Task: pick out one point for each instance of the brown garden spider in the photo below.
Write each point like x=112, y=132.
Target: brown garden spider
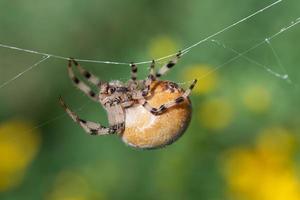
x=117, y=97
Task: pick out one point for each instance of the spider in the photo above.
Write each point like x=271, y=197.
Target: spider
x=147, y=114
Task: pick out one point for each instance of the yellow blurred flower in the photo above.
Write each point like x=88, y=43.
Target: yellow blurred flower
x=261, y=173
x=215, y=114
x=257, y=99
x=162, y=46
x=207, y=80
x=276, y=145
x=18, y=147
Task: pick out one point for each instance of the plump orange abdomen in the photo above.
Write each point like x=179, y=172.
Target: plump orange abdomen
x=147, y=131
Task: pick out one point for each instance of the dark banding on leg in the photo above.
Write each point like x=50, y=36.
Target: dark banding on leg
x=133, y=72
x=164, y=69
x=164, y=107
x=79, y=84
x=86, y=74
x=91, y=128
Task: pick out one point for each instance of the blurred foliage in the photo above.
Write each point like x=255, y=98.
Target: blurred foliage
x=242, y=143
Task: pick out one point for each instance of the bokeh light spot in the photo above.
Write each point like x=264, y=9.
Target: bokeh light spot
x=19, y=144
x=162, y=46
x=257, y=99
x=215, y=114
x=276, y=144
x=207, y=80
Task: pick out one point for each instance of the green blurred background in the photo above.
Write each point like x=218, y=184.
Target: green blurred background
x=242, y=143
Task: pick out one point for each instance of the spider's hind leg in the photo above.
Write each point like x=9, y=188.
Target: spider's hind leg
x=164, y=107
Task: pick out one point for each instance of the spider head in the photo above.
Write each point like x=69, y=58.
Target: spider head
x=104, y=88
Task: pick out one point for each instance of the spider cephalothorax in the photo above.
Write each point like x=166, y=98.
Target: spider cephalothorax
x=145, y=113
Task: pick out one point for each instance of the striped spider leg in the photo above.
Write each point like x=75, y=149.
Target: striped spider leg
x=153, y=76
x=91, y=128
x=164, y=107
x=163, y=70
x=78, y=83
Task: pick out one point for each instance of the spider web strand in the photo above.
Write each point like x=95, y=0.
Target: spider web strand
x=242, y=54
x=23, y=72
x=269, y=70
x=184, y=51
x=232, y=25
x=278, y=60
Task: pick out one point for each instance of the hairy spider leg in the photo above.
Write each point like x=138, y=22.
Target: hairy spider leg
x=91, y=128
x=165, y=107
x=86, y=74
x=151, y=77
x=81, y=85
x=116, y=117
x=165, y=68
x=189, y=90
x=133, y=72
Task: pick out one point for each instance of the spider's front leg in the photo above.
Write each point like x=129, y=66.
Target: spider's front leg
x=80, y=84
x=86, y=74
x=164, y=107
x=91, y=128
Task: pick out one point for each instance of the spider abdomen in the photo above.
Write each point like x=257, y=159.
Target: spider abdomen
x=146, y=130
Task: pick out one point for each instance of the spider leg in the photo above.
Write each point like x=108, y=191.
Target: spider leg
x=164, y=107
x=127, y=104
x=151, y=77
x=86, y=74
x=133, y=72
x=189, y=90
x=152, y=72
x=79, y=84
x=91, y=128
x=116, y=117
x=164, y=69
